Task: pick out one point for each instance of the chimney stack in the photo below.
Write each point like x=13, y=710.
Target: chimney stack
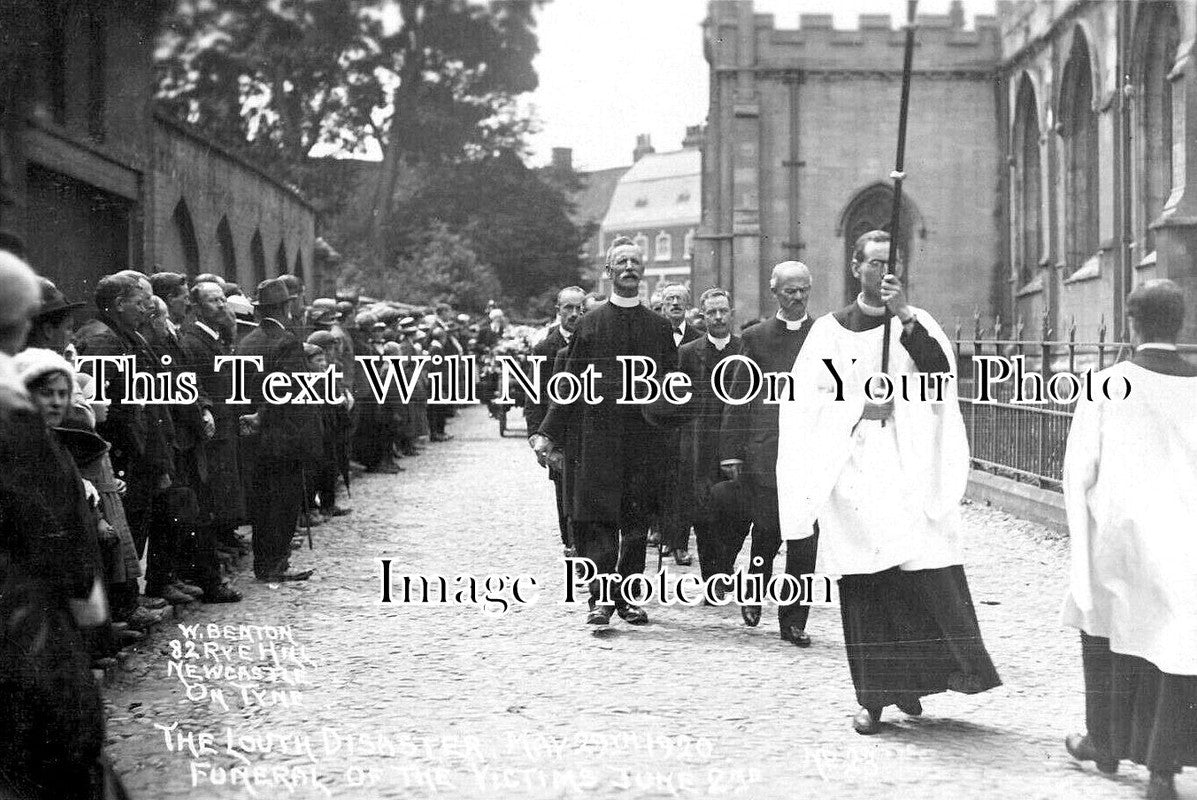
x=956, y=15
x=644, y=146
x=563, y=159
x=695, y=134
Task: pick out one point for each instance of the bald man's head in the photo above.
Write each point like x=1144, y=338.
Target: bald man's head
x=1157, y=310
x=20, y=297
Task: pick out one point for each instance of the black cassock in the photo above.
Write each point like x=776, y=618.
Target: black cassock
x=614, y=458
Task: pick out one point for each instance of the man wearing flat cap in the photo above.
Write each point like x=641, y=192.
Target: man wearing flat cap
x=613, y=455
x=288, y=438
x=1129, y=475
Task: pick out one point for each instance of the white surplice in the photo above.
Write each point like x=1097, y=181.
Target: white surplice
x=884, y=496
x=1130, y=490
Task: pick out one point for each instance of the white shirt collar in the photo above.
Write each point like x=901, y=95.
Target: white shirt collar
x=203, y=327
x=868, y=310
x=564, y=333
x=1156, y=346
x=624, y=302
x=719, y=343
x=793, y=325
x=172, y=327
x=275, y=321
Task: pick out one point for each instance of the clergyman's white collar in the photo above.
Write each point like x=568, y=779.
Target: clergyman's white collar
x=793, y=324
x=868, y=310
x=624, y=302
x=719, y=343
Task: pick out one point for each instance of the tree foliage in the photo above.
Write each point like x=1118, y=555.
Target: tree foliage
x=440, y=268
x=515, y=220
x=427, y=80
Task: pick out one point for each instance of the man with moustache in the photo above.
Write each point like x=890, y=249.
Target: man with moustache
x=221, y=498
x=748, y=451
x=615, y=455
x=570, y=304
x=885, y=479
x=141, y=435
x=699, y=456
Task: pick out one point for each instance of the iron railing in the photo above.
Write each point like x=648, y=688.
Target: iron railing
x=1015, y=435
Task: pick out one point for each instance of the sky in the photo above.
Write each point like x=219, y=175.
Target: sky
x=610, y=69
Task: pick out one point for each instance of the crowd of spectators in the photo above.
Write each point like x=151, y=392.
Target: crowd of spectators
x=118, y=503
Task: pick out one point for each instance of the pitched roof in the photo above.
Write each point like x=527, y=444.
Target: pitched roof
x=592, y=200
x=660, y=189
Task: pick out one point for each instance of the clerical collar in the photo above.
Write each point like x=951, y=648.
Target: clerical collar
x=203, y=327
x=793, y=325
x=868, y=310
x=719, y=343
x=624, y=302
x=1156, y=346
x=564, y=333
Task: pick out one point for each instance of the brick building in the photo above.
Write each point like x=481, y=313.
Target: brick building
x=657, y=203
x=92, y=182
x=801, y=137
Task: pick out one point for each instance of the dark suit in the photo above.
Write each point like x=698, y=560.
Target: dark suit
x=699, y=457
x=549, y=347
x=674, y=522
x=614, y=456
x=288, y=442
x=749, y=434
x=142, y=441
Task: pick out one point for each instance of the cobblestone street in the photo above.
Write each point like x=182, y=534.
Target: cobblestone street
x=317, y=689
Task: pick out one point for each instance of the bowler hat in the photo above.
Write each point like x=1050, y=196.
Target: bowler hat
x=272, y=292
x=53, y=300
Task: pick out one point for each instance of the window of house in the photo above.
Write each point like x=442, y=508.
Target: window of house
x=688, y=245
x=1027, y=191
x=664, y=251
x=1079, y=130
x=642, y=242
x=1160, y=35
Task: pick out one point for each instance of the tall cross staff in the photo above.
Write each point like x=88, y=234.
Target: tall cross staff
x=898, y=175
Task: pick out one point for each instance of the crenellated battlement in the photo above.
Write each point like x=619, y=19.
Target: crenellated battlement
x=943, y=44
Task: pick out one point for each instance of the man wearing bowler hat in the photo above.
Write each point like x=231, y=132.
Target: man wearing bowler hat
x=285, y=440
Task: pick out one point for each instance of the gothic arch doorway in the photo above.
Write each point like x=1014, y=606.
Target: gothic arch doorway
x=871, y=210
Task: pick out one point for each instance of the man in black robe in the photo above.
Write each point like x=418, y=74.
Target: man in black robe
x=570, y=305
x=748, y=452
x=615, y=455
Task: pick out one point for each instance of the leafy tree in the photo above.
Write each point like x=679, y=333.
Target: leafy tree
x=442, y=268
x=278, y=77
x=515, y=220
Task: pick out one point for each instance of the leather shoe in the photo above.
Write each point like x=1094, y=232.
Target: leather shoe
x=223, y=594
x=174, y=596
x=912, y=707
x=1161, y=786
x=866, y=722
x=284, y=577
x=124, y=638
x=1080, y=748
x=336, y=511
x=681, y=557
x=152, y=603
x=633, y=615
x=751, y=615
x=795, y=636
x=599, y=615
x=189, y=588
